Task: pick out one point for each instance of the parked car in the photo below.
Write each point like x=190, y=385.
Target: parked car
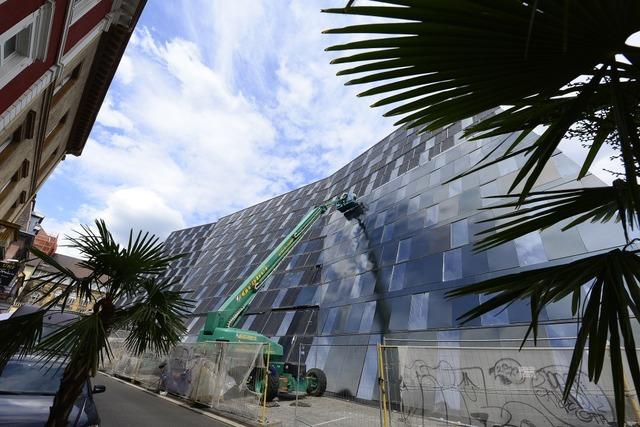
x=27, y=390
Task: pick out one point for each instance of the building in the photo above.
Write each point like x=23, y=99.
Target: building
x=26, y=233
x=35, y=269
x=345, y=286
x=57, y=59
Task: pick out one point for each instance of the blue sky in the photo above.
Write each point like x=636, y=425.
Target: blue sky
x=216, y=105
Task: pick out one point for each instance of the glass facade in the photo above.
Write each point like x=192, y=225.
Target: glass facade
x=346, y=284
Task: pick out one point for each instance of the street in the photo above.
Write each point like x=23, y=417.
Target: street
x=123, y=405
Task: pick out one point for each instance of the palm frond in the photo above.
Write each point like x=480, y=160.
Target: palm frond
x=123, y=266
x=488, y=62
x=83, y=339
x=63, y=279
x=546, y=208
x=613, y=279
x=19, y=335
x=446, y=61
x=155, y=321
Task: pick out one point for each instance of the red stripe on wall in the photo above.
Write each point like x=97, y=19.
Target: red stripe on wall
x=86, y=23
x=12, y=12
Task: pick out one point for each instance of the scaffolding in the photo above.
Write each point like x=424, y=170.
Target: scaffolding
x=47, y=243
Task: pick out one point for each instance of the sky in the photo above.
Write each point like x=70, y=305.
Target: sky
x=216, y=106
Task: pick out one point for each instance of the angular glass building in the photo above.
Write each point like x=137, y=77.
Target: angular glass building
x=349, y=283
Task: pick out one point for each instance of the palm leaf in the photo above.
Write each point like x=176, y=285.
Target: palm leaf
x=613, y=277
x=446, y=61
x=155, y=322
x=19, y=335
x=83, y=340
x=63, y=279
x=122, y=266
x=546, y=208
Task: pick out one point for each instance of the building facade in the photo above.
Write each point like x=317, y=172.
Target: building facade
x=348, y=285
x=36, y=272
x=57, y=58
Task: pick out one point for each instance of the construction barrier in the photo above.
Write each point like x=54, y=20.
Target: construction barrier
x=451, y=383
x=347, y=400
x=487, y=386
x=218, y=375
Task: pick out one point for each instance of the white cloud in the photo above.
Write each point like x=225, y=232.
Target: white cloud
x=125, y=73
x=138, y=208
x=109, y=117
x=241, y=107
x=247, y=108
x=124, y=210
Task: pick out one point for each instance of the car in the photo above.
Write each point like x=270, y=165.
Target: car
x=27, y=389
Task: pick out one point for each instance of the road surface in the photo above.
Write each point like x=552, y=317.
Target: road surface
x=122, y=405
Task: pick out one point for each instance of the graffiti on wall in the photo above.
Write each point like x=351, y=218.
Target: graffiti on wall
x=497, y=390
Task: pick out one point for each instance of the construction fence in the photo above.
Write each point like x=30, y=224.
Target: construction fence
x=493, y=386
x=217, y=375
x=398, y=385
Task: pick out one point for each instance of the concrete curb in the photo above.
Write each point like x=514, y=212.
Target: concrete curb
x=177, y=402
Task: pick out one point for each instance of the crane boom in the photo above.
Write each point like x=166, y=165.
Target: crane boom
x=219, y=325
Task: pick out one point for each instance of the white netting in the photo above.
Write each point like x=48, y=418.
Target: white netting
x=219, y=375
x=493, y=386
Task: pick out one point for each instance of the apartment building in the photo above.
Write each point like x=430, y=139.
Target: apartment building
x=57, y=59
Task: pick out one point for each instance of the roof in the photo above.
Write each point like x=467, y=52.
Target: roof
x=111, y=47
x=66, y=261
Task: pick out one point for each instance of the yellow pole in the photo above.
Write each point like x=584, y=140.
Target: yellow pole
x=631, y=397
x=265, y=388
x=383, y=390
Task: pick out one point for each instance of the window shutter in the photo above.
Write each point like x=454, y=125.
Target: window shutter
x=29, y=124
x=25, y=168
x=43, y=30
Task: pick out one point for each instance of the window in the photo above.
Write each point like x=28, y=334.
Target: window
x=418, y=312
x=81, y=7
x=24, y=169
x=404, y=250
x=4, y=144
x=67, y=82
x=452, y=265
x=24, y=43
x=459, y=233
x=529, y=249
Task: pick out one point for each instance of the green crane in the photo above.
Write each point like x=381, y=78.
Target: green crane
x=220, y=324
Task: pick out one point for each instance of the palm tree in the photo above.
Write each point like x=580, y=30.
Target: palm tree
x=562, y=66
x=153, y=315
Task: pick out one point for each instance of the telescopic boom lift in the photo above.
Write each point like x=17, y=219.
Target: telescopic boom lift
x=221, y=324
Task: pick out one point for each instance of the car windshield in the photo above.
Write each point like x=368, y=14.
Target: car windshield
x=30, y=377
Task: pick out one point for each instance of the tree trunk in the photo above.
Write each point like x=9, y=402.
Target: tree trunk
x=77, y=372
x=74, y=378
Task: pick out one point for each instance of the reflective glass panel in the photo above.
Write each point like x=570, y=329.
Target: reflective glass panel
x=439, y=313
x=368, y=380
x=414, y=205
x=286, y=322
x=367, y=317
x=452, y=265
x=330, y=322
x=459, y=233
x=404, y=250
x=431, y=215
x=399, y=308
x=397, y=277
x=498, y=316
x=530, y=250
x=419, y=311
